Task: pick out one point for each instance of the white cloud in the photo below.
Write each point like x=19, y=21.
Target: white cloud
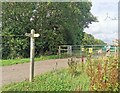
x=106, y=29
x=105, y=1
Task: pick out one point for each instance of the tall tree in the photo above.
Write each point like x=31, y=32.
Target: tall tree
x=90, y=40
x=57, y=23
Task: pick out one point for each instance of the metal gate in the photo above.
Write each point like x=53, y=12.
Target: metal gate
x=80, y=50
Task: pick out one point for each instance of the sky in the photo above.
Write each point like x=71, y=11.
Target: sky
x=106, y=12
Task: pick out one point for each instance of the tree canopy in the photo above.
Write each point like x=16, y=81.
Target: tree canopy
x=56, y=22
x=90, y=40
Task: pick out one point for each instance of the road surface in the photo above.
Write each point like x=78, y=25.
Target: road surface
x=20, y=72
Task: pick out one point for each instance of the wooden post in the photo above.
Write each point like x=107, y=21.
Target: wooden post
x=59, y=51
x=32, y=50
x=70, y=50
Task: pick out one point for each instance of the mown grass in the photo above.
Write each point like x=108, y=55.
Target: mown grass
x=52, y=81
x=25, y=60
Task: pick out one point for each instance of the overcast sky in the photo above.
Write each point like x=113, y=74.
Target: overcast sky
x=106, y=12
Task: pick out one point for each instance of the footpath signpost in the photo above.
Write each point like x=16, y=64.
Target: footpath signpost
x=32, y=36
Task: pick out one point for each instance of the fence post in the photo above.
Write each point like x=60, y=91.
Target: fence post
x=59, y=51
x=70, y=50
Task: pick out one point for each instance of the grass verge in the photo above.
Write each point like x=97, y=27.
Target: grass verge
x=52, y=81
x=25, y=60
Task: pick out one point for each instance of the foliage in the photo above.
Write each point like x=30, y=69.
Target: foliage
x=90, y=40
x=57, y=23
x=72, y=63
x=103, y=73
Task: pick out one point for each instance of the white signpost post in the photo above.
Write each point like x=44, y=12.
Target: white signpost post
x=32, y=36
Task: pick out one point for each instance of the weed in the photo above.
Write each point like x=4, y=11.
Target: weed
x=104, y=75
x=72, y=63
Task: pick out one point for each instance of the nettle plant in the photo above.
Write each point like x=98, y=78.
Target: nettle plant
x=76, y=66
x=72, y=63
x=103, y=73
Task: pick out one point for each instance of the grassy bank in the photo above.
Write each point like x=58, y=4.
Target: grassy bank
x=52, y=81
x=25, y=60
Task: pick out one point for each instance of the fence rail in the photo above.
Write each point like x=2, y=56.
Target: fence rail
x=80, y=50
